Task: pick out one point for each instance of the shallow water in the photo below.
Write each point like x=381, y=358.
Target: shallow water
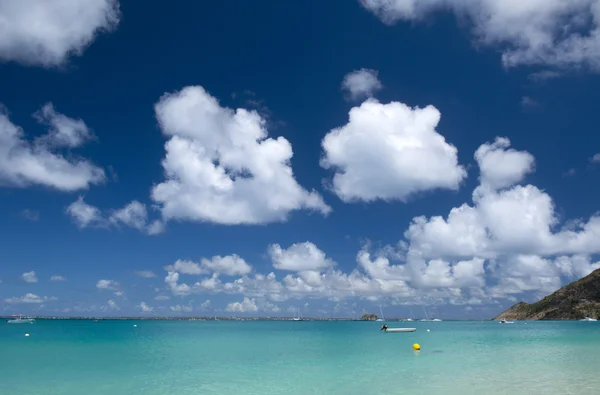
x=298, y=358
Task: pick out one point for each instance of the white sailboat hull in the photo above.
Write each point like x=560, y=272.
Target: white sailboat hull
x=400, y=330
x=21, y=321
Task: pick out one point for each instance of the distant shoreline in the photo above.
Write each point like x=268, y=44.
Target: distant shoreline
x=201, y=318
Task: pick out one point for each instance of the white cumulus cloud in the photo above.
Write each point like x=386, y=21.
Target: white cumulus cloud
x=516, y=230
x=555, y=33
x=145, y=308
x=85, y=215
x=58, y=278
x=508, y=243
x=47, y=32
x=299, y=257
x=133, y=215
x=24, y=163
x=29, y=277
x=501, y=167
x=107, y=284
x=245, y=306
x=221, y=166
x=63, y=131
x=172, y=281
x=186, y=267
x=390, y=152
x=230, y=265
x=361, y=83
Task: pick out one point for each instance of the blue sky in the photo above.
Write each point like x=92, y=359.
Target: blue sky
x=165, y=160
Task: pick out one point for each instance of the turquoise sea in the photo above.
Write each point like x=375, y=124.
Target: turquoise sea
x=298, y=358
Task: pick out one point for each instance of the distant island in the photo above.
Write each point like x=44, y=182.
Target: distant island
x=574, y=301
x=369, y=317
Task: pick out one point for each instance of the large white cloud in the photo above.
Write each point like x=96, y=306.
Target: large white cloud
x=507, y=244
x=361, y=83
x=520, y=220
x=299, y=257
x=221, y=166
x=24, y=163
x=516, y=229
x=321, y=282
x=390, y=152
x=46, y=32
x=557, y=33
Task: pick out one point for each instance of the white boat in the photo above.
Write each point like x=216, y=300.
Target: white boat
x=382, y=318
x=427, y=319
x=506, y=322
x=398, y=330
x=588, y=319
x=20, y=320
x=299, y=317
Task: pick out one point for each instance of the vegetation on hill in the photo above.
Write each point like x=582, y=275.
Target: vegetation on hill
x=574, y=301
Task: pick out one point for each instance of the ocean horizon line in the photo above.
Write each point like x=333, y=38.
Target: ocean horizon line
x=224, y=318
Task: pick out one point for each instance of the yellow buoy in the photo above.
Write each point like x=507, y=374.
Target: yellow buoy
x=416, y=347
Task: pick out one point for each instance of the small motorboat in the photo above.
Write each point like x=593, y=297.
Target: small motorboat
x=20, y=320
x=396, y=330
x=506, y=322
x=588, y=319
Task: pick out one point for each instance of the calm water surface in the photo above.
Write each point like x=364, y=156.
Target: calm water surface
x=298, y=358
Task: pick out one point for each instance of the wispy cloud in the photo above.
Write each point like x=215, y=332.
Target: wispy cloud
x=145, y=273
x=30, y=215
